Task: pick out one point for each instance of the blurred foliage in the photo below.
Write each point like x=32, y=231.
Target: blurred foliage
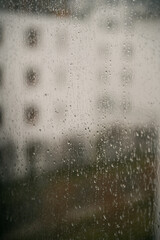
x=110, y=198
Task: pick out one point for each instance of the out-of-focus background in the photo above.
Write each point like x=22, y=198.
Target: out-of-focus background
x=79, y=119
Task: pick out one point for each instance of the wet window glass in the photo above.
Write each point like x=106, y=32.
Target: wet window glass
x=79, y=120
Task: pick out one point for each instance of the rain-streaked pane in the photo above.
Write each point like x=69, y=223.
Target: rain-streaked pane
x=79, y=120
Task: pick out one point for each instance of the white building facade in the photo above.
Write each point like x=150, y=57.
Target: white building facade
x=63, y=76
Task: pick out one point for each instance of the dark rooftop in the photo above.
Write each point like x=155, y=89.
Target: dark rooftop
x=65, y=7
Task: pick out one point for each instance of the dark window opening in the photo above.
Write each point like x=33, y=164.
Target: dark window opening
x=126, y=77
x=109, y=24
x=106, y=104
x=126, y=105
x=7, y=161
x=31, y=115
x=1, y=117
x=33, y=153
x=32, y=37
x=1, y=34
x=1, y=76
x=31, y=77
x=127, y=50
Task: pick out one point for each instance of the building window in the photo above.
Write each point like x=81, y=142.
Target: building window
x=33, y=156
x=1, y=117
x=126, y=77
x=1, y=76
x=31, y=77
x=109, y=24
x=31, y=115
x=126, y=105
x=32, y=37
x=1, y=34
x=129, y=22
x=106, y=104
x=7, y=160
x=127, y=50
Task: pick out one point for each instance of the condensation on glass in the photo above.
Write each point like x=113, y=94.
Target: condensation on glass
x=79, y=120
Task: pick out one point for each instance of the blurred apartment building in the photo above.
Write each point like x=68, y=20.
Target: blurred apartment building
x=67, y=75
